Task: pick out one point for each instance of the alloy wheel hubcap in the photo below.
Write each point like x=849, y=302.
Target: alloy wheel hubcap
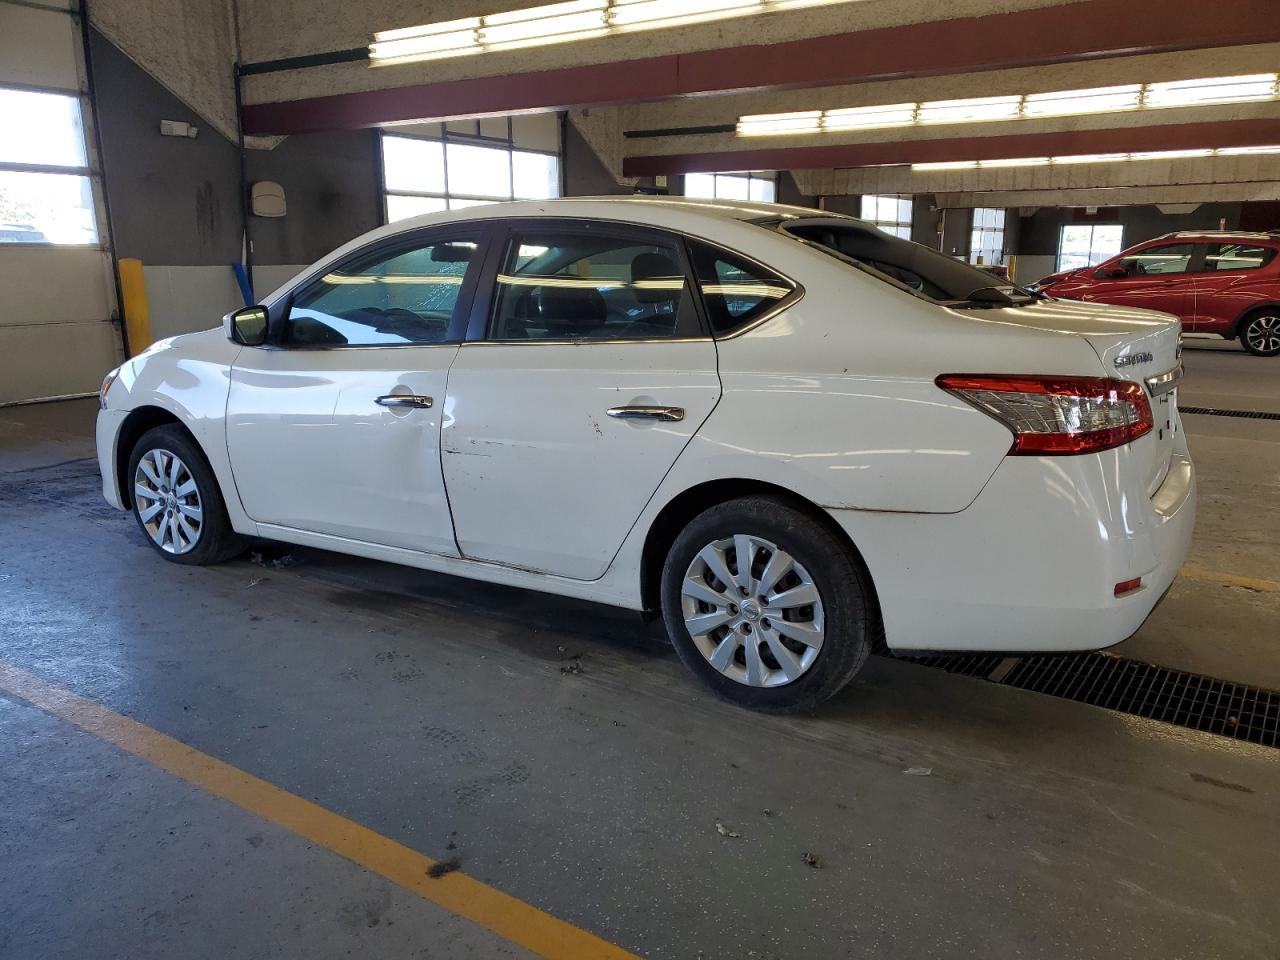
x=752, y=611
x=1264, y=333
x=167, y=500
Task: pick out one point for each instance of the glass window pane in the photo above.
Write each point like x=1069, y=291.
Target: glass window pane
x=735, y=291
x=868, y=208
x=461, y=203
x=537, y=176
x=887, y=209
x=404, y=297
x=573, y=286
x=1168, y=258
x=1237, y=256
x=46, y=208
x=479, y=171
x=410, y=164
x=1106, y=242
x=904, y=211
x=41, y=128
x=732, y=188
x=701, y=185
x=400, y=207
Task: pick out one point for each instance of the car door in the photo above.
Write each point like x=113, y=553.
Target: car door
x=334, y=426
x=1234, y=276
x=1157, y=277
x=588, y=370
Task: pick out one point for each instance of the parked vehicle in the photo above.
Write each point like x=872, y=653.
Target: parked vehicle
x=21, y=233
x=1222, y=283
x=787, y=433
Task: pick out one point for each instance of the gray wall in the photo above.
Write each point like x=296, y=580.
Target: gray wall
x=173, y=201
x=584, y=174
x=332, y=188
x=1038, y=233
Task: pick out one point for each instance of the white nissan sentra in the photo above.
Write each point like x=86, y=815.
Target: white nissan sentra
x=785, y=431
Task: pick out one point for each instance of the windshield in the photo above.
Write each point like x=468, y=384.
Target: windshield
x=921, y=270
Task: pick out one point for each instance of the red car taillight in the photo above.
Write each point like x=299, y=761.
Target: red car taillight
x=1057, y=415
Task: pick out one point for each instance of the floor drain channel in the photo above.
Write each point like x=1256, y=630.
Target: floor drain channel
x=1243, y=414
x=1189, y=700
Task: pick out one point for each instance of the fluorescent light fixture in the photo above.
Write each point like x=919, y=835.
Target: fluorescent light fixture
x=974, y=110
x=869, y=118
x=560, y=23
x=1036, y=106
x=1068, y=103
x=1016, y=162
x=1091, y=158
x=765, y=124
x=1188, y=93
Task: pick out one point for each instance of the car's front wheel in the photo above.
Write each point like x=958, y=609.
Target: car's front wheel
x=1260, y=334
x=767, y=604
x=176, y=500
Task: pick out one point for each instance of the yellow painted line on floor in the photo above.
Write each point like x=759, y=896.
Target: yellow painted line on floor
x=1230, y=579
x=512, y=919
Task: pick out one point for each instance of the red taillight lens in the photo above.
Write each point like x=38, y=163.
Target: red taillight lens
x=1128, y=586
x=1057, y=415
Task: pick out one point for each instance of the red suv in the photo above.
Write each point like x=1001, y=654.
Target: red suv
x=1223, y=283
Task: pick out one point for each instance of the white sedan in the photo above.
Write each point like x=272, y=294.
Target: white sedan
x=785, y=432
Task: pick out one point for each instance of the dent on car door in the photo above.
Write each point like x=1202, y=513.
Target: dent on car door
x=590, y=373
x=333, y=427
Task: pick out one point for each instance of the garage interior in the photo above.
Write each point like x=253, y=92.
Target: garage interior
x=304, y=754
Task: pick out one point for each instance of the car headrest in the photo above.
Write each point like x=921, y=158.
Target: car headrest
x=655, y=266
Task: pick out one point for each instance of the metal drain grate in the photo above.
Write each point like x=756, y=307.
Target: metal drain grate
x=1190, y=700
x=1243, y=414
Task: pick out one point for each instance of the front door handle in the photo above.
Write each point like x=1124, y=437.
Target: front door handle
x=401, y=400
x=669, y=414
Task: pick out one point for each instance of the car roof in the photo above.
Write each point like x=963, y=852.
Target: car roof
x=1272, y=235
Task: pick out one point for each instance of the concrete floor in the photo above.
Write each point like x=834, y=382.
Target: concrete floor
x=434, y=711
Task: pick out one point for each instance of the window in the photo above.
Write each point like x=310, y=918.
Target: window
x=891, y=213
x=1237, y=256
x=736, y=291
x=1168, y=258
x=468, y=163
x=1087, y=244
x=388, y=298
x=986, y=244
x=758, y=187
x=37, y=205
x=558, y=285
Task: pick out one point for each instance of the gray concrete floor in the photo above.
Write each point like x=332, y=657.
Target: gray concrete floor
x=434, y=711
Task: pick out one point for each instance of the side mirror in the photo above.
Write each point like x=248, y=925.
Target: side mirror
x=247, y=326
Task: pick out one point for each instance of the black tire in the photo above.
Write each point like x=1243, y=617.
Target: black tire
x=1260, y=333
x=215, y=541
x=847, y=602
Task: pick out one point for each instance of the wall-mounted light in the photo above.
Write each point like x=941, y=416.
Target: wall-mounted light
x=560, y=23
x=1029, y=106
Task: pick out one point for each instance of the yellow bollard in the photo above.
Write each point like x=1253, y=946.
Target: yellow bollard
x=133, y=293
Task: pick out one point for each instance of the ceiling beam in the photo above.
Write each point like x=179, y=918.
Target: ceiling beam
x=1183, y=136
x=1071, y=32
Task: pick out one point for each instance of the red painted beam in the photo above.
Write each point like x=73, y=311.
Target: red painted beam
x=1083, y=30
x=1183, y=136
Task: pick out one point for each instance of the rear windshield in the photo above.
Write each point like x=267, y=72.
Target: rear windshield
x=908, y=265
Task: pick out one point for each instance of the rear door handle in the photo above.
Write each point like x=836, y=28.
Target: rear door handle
x=669, y=414
x=400, y=400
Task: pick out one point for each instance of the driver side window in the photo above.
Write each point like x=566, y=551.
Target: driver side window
x=1169, y=258
x=396, y=297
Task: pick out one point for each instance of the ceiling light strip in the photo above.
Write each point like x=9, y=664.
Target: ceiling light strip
x=951, y=165
x=1206, y=91
x=560, y=23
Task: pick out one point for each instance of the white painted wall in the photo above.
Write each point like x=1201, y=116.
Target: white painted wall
x=184, y=299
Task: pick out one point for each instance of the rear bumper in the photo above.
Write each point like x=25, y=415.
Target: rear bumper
x=1032, y=564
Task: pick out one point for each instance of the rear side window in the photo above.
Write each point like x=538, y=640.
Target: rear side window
x=588, y=285
x=737, y=291
x=1237, y=256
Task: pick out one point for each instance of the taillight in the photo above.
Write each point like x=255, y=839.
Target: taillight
x=1057, y=415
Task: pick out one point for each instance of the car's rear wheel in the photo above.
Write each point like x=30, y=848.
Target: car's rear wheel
x=767, y=605
x=1260, y=333
x=176, y=500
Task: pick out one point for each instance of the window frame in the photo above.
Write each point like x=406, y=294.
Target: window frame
x=785, y=303
x=446, y=137
x=90, y=170
x=1195, y=260
x=481, y=231
x=506, y=232
x=882, y=224
x=1207, y=245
